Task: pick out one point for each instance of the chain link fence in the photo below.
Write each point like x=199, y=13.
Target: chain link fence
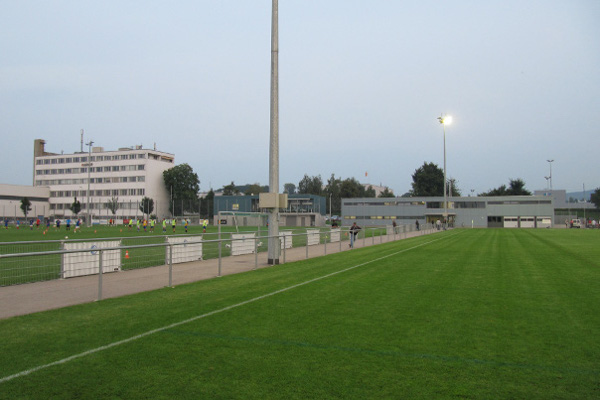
x=28, y=262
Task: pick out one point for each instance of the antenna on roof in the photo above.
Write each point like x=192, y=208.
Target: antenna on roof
x=82, y=140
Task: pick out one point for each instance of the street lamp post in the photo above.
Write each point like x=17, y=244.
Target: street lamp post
x=584, y=205
x=445, y=120
x=550, y=162
x=89, y=167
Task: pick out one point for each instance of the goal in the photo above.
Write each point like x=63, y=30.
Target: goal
x=240, y=219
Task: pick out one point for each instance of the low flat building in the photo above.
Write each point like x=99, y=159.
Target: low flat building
x=476, y=212
x=11, y=197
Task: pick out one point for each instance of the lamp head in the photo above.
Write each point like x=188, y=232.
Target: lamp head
x=447, y=120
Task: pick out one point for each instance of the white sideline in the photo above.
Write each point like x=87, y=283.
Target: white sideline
x=153, y=331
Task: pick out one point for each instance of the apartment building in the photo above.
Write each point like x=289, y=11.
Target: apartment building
x=126, y=174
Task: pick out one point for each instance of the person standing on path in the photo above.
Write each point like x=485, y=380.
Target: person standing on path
x=354, y=229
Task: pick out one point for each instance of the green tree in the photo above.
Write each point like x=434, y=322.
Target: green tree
x=147, y=206
x=428, y=180
x=182, y=184
x=369, y=192
x=253, y=189
x=230, y=190
x=75, y=207
x=333, y=193
x=289, y=188
x=499, y=191
x=25, y=206
x=113, y=205
x=516, y=188
x=387, y=193
x=452, y=188
x=206, y=204
x=595, y=197
x=311, y=185
x=351, y=188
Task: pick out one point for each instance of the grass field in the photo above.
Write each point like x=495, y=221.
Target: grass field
x=486, y=313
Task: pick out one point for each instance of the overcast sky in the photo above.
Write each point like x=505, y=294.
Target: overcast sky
x=361, y=85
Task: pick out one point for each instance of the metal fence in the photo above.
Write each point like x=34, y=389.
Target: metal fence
x=28, y=262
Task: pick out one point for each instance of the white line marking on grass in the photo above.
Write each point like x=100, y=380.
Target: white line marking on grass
x=187, y=321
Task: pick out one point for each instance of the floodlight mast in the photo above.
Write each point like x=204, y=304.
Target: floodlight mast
x=550, y=162
x=89, y=170
x=274, y=248
x=445, y=120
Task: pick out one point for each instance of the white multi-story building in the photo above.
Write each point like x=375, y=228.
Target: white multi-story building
x=128, y=175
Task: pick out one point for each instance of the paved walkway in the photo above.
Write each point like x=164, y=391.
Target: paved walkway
x=42, y=296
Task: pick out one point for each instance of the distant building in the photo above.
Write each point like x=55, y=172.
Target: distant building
x=478, y=212
x=302, y=210
x=12, y=195
x=377, y=188
x=561, y=201
x=127, y=174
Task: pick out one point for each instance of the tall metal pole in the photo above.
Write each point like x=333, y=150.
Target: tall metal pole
x=89, y=166
x=273, y=241
x=445, y=194
x=445, y=120
x=550, y=161
x=584, y=205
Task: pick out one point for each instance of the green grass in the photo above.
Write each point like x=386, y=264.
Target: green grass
x=462, y=314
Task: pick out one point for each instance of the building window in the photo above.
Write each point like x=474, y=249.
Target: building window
x=469, y=204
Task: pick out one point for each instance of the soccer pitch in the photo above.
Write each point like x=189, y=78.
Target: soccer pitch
x=485, y=313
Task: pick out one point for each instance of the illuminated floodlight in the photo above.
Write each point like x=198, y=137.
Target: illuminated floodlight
x=446, y=120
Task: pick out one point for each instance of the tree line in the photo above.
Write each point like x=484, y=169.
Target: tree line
x=427, y=181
